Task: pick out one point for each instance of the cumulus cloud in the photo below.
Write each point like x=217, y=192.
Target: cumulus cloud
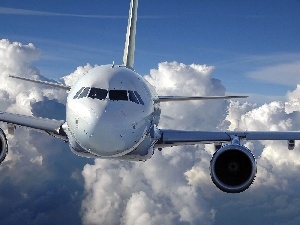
x=42, y=182
x=293, y=103
x=37, y=178
x=73, y=77
x=174, y=187
x=179, y=79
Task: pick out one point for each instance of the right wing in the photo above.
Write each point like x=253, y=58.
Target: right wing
x=56, y=85
x=52, y=127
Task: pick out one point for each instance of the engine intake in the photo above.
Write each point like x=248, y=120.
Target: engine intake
x=233, y=168
x=3, y=146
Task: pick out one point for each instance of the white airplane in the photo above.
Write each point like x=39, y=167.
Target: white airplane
x=113, y=112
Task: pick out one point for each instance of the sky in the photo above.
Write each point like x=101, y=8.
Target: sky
x=254, y=45
x=201, y=48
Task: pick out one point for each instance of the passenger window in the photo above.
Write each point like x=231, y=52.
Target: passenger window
x=98, y=93
x=118, y=95
x=132, y=97
x=139, y=97
x=78, y=92
x=84, y=93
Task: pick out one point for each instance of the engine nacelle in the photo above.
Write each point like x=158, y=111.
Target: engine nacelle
x=3, y=146
x=233, y=168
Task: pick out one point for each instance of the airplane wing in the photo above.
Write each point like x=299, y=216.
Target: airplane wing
x=178, y=137
x=52, y=127
x=56, y=85
x=185, y=98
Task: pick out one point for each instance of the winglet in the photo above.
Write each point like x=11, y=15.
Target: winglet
x=128, y=57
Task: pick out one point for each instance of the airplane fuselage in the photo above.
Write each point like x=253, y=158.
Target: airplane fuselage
x=111, y=112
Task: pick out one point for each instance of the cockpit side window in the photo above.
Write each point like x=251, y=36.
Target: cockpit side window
x=84, y=93
x=118, y=95
x=132, y=97
x=98, y=93
x=139, y=97
x=78, y=93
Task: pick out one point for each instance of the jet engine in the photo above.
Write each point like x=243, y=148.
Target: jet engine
x=233, y=168
x=3, y=146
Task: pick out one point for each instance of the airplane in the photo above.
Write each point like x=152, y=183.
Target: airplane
x=112, y=112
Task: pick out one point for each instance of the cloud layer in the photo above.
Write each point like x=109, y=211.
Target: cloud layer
x=42, y=182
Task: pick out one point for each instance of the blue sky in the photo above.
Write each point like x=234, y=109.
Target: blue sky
x=254, y=45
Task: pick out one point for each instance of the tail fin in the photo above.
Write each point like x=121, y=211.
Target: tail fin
x=128, y=57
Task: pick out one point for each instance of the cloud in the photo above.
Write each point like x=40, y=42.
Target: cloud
x=284, y=74
x=179, y=79
x=26, y=12
x=175, y=184
x=293, y=103
x=73, y=77
x=261, y=72
x=158, y=187
x=38, y=178
x=42, y=182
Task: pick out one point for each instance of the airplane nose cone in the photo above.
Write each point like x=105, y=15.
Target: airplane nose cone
x=113, y=134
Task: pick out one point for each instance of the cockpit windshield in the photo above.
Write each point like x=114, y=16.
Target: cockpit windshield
x=113, y=95
x=116, y=95
x=97, y=93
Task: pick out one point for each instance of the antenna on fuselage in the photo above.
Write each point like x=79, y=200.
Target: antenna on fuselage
x=128, y=57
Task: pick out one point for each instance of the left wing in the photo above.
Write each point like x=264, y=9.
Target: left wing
x=178, y=137
x=186, y=98
x=233, y=166
x=52, y=127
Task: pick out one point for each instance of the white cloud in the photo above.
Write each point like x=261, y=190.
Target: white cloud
x=282, y=73
x=44, y=183
x=73, y=77
x=26, y=12
x=36, y=178
x=179, y=79
x=293, y=103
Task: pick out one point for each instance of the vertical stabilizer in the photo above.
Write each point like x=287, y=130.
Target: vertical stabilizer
x=128, y=57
